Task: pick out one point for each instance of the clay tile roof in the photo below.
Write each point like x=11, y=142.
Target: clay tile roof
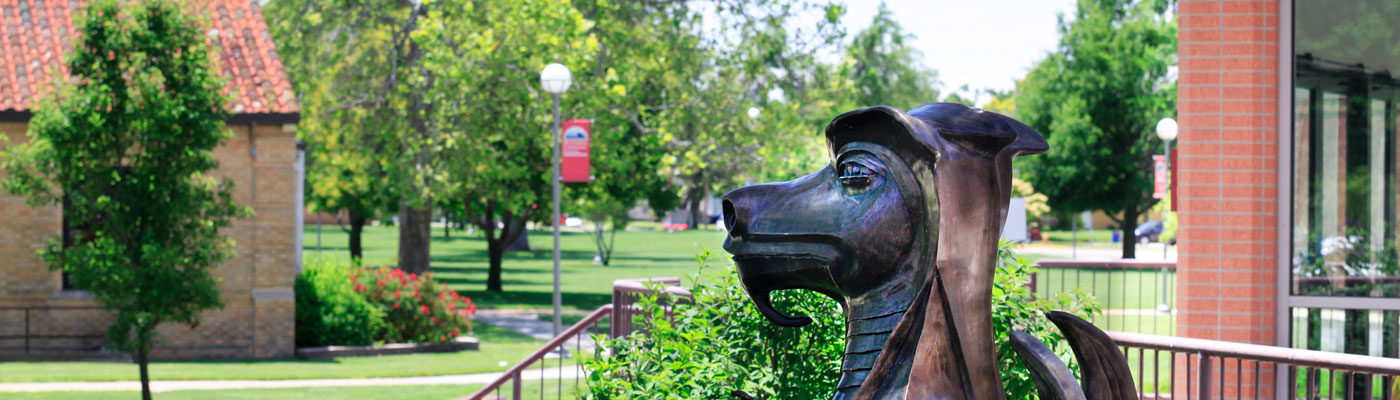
x=34, y=33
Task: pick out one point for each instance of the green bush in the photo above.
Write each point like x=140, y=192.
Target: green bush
x=718, y=343
x=1014, y=308
x=329, y=311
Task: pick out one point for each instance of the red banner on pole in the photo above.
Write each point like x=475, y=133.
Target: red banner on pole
x=1159, y=187
x=574, y=165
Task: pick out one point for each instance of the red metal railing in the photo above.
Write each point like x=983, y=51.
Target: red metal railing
x=1135, y=295
x=1211, y=369
x=626, y=292
x=559, y=346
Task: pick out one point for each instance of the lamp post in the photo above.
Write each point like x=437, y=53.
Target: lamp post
x=556, y=79
x=1166, y=130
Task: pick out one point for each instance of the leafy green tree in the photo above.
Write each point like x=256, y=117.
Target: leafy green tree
x=1097, y=99
x=124, y=148
x=348, y=163
x=363, y=79
x=886, y=70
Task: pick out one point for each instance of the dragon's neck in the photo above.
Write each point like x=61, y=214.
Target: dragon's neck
x=865, y=337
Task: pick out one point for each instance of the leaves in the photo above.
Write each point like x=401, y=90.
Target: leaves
x=1096, y=100
x=125, y=147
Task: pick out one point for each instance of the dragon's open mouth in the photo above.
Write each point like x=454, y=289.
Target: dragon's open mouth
x=765, y=267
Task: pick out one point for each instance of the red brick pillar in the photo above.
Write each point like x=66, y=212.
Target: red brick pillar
x=1228, y=184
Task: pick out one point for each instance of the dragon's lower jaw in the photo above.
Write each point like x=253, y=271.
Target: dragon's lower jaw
x=865, y=337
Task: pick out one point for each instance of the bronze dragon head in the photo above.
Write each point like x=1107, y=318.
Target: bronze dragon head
x=901, y=229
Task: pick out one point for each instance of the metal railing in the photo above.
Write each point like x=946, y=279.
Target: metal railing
x=558, y=349
x=1210, y=369
x=1135, y=295
x=93, y=342
x=626, y=292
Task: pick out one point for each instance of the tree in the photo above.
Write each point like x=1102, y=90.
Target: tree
x=886, y=69
x=362, y=69
x=348, y=162
x=124, y=148
x=1097, y=99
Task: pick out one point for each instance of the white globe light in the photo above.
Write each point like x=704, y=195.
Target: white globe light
x=754, y=112
x=556, y=78
x=1166, y=129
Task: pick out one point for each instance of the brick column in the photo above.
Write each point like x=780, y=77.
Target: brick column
x=1228, y=192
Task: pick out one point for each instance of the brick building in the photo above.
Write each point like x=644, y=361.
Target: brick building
x=37, y=311
x=1287, y=183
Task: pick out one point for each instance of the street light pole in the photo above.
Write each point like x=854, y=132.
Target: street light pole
x=556, y=79
x=554, y=221
x=1166, y=130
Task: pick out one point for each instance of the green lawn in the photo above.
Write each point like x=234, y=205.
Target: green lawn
x=1097, y=237
x=361, y=393
x=497, y=345
x=461, y=262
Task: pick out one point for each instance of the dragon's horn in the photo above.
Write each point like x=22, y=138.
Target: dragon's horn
x=1053, y=380
x=1103, y=368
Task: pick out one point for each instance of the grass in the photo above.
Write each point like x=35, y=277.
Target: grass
x=361, y=393
x=461, y=262
x=497, y=345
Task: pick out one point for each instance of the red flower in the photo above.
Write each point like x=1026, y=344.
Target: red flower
x=396, y=306
x=425, y=309
x=412, y=276
x=456, y=332
x=442, y=338
x=382, y=282
x=360, y=288
x=451, y=307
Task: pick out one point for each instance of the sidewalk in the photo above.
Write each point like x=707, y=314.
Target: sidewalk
x=166, y=386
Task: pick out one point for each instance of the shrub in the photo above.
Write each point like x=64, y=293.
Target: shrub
x=718, y=342
x=723, y=345
x=1015, y=308
x=329, y=312
x=416, y=308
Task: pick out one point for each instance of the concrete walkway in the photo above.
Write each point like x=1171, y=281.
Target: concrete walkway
x=526, y=322
x=166, y=386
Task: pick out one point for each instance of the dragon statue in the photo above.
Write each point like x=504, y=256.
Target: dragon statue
x=902, y=230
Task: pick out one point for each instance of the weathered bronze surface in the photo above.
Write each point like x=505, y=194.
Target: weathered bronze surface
x=901, y=229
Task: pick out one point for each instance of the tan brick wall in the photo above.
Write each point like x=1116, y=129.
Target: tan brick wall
x=264, y=260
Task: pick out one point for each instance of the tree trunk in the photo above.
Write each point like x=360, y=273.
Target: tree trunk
x=414, y=238
x=1130, y=217
x=143, y=359
x=494, y=253
x=357, y=230
x=598, y=243
x=446, y=225
x=695, y=201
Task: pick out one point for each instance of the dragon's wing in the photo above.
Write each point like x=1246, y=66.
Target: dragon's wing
x=1103, y=368
x=1053, y=380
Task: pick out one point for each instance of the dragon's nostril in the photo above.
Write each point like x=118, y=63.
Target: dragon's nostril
x=731, y=222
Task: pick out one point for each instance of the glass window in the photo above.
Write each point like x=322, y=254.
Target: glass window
x=1345, y=99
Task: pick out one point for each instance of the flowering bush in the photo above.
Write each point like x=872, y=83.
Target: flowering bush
x=416, y=308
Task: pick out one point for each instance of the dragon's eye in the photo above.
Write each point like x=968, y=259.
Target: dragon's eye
x=856, y=175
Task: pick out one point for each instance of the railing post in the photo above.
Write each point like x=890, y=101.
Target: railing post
x=26, y=331
x=515, y=385
x=1203, y=372
x=617, y=301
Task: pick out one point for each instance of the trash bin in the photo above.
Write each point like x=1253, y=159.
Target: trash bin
x=1117, y=236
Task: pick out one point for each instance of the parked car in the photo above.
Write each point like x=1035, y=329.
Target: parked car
x=1149, y=231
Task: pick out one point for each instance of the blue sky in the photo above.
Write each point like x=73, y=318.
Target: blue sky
x=978, y=43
